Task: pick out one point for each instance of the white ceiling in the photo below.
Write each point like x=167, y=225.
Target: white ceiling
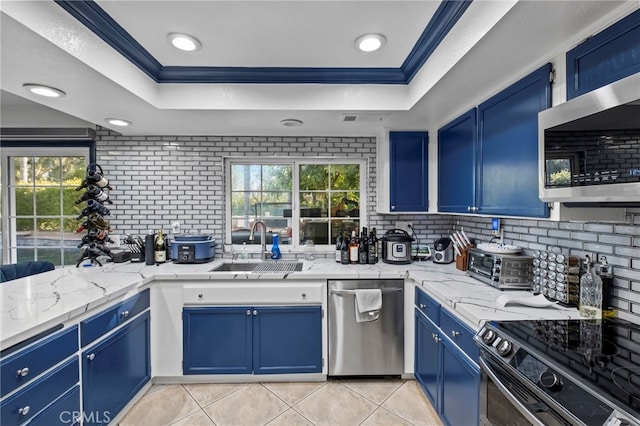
x=493, y=44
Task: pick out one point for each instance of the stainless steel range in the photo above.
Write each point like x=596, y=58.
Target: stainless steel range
x=561, y=372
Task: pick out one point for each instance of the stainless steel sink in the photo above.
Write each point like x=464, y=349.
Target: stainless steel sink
x=267, y=266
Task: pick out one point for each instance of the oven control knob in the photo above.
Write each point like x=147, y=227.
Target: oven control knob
x=504, y=347
x=497, y=261
x=489, y=336
x=549, y=380
x=497, y=269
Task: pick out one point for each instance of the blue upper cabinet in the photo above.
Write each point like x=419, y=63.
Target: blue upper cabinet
x=604, y=58
x=408, y=157
x=456, y=164
x=507, y=163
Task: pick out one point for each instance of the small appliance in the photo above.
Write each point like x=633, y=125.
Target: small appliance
x=396, y=247
x=443, y=251
x=503, y=271
x=193, y=248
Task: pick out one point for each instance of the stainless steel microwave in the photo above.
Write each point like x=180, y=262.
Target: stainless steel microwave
x=589, y=146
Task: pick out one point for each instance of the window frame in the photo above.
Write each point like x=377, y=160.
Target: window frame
x=37, y=149
x=295, y=162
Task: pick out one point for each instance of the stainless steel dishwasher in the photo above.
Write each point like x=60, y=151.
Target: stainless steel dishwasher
x=366, y=348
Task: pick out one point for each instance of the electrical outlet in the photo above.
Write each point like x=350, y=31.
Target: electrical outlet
x=175, y=228
x=405, y=225
x=116, y=240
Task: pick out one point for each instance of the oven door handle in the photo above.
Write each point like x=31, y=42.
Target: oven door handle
x=507, y=394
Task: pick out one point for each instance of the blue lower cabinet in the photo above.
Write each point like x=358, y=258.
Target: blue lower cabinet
x=65, y=411
x=114, y=370
x=428, y=358
x=252, y=340
x=460, y=382
x=217, y=340
x=287, y=340
x=33, y=398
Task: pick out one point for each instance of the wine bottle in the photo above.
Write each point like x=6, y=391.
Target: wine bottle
x=344, y=249
x=148, y=249
x=353, y=248
x=363, y=253
x=338, y=253
x=373, y=247
x=160, y=249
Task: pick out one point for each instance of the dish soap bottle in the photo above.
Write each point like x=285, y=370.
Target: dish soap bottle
x=275, y=248
x=590, y=305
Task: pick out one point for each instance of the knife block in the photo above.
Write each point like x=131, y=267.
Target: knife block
x=462, y=260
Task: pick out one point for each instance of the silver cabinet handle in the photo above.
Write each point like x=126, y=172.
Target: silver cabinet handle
x=393, y=207
x=304, y=295
x=436, y=338
x=91, y=357
x=469, y=208
x=248, y=311
x=200, y=296
x=454, y=333
x=24, y=410
x=255, y=312
x=422, y=306
x=23, y=371
x=124, y=314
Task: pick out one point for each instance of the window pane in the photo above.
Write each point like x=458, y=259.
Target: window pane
x=244, y=203
x=245, y=177
x=316, y=230
x=24, y=201
x=345, y=204
x=23, y=170
x=25, y=255
x=24, y=226
x=73, y=170
x=47, y=170
x=276, y=178
x=69, y=226
x=345, y=176
x=48, y=232
x=314, y=177
x=71, y=256
x=313, y=204
x=339, y=225
x=48, y=201
x=53, y=255
x=69, y=197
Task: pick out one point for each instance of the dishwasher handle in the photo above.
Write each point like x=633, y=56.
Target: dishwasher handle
x=353, y=292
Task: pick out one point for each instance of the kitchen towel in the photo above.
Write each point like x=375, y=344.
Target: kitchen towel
x=368, y=304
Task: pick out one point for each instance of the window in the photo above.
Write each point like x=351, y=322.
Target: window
x=298, y=199
x=39, y=210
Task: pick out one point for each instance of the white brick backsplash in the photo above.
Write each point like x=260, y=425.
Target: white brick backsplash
x=160, y=179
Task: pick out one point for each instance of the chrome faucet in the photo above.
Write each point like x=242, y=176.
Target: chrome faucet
x=263, y=238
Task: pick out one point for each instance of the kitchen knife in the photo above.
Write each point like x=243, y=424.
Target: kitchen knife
x=455, y=245
x=458, y=241
x=466, y=239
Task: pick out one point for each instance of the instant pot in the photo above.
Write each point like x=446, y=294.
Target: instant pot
x=396, y=247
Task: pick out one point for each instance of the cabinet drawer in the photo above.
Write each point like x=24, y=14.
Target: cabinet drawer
x=249, y=293
x=23, y=405
x=62, y=412
x=23, y=366
x=460, y=334
x=428, y=306
x=107, y=320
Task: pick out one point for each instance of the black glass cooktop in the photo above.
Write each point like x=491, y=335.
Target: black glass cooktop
x=603, y=355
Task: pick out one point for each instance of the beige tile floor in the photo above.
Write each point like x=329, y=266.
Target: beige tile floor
x=333, y=403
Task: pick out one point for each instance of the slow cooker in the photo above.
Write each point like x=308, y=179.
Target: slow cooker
x=193, y=248
x=396, y=247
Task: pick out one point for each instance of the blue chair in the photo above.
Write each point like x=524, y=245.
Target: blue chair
x=24, y=269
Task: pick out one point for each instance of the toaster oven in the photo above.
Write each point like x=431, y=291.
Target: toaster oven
x=503, y=271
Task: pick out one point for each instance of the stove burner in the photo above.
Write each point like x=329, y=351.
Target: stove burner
x=627, y=379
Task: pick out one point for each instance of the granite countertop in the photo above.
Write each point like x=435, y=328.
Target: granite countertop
x=34, y=304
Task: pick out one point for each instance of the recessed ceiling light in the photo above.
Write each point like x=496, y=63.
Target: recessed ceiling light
x=118, y=122
x=291, y=122
x=184, y=42
x=370, y=42
x=41, y=90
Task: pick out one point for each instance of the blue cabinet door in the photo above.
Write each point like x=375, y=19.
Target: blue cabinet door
x=217, y=340
x=114, y=370
x=460, y=387
x=287, y=340
x=457, y=164
x=604, y=58
x=408, y=167
x=428, y=358
x=508, y=148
